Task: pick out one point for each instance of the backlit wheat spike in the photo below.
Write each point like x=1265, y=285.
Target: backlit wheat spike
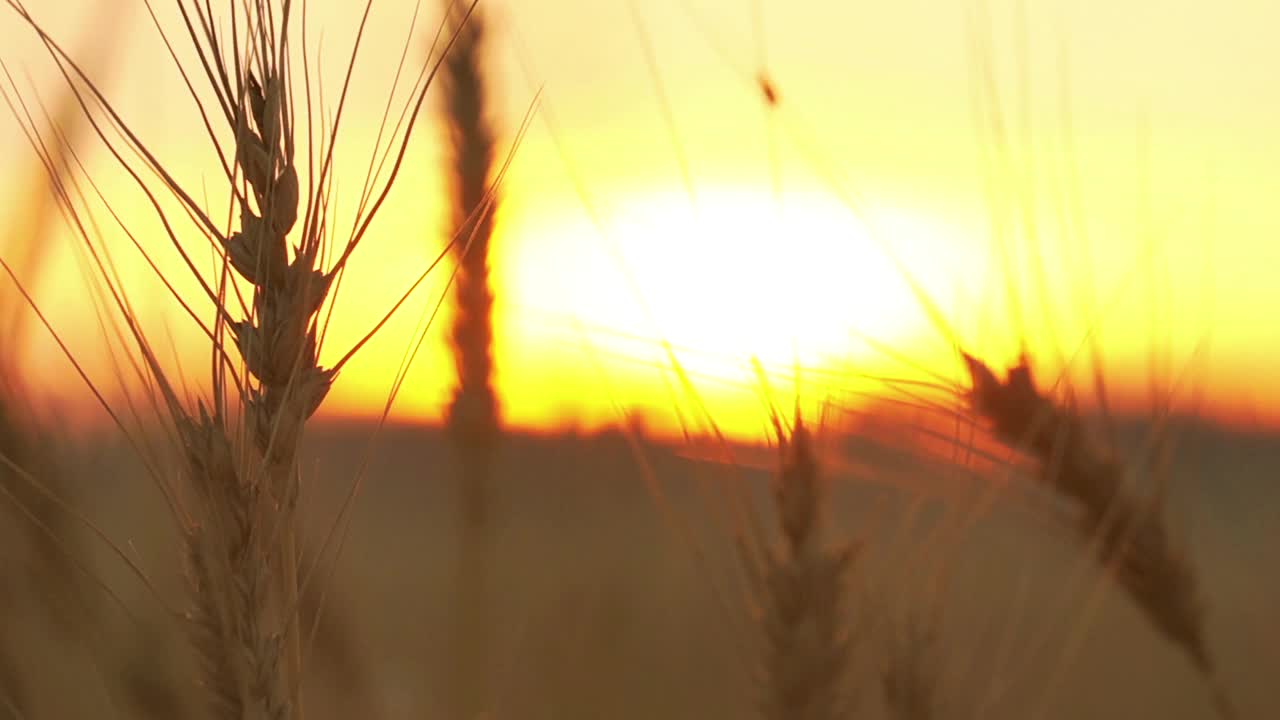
x=1130, y=533
x=801, y=587
x=473, y=412
x=230, y=572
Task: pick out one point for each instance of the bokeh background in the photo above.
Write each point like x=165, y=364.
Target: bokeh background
x=1117, y=161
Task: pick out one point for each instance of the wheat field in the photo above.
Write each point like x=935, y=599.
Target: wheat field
x=213, y=505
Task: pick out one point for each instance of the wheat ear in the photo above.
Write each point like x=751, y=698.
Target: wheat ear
x=1130, y=534
x=473, y=412
x=908, y=680
x=230, y=573
x=241, y=531
x=801, y=584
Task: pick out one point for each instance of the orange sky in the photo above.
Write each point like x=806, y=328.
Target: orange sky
x=758, y=252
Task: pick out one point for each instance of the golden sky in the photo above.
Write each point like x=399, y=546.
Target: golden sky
x=657, y=198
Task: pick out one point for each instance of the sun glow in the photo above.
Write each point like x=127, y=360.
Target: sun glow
x=725, y=279
x=732, y=274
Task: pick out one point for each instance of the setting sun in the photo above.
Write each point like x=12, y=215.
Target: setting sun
x=725, y=277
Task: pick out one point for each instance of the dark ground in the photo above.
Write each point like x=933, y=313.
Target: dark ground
x=598, y=590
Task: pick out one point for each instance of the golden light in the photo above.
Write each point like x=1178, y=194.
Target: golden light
x=588, y=289
x=725, y=277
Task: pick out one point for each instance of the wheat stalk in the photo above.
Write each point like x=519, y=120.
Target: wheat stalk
x=1130, y=535
x=240, y=526
x=238, y=530
x=243, y=548
x=278, y=341
x=472, y=415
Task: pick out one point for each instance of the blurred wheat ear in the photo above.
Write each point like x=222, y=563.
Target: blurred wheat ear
x=1129, y=533
x=801, y=586
x=908, y=681
x=473, y=411
x=472, y=415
